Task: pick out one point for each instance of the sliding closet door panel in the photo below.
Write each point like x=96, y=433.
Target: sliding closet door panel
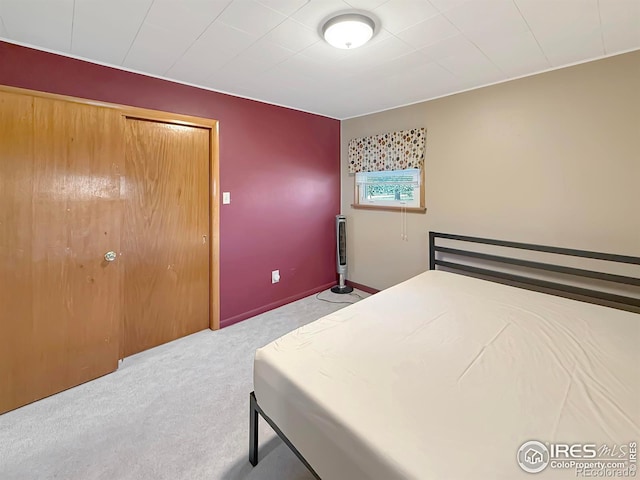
x=64, y=322
x=77, y=216
x=16, y=219
x=165, y=236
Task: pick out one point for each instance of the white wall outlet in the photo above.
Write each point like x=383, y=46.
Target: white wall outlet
x=275, y=276
x=226, y=198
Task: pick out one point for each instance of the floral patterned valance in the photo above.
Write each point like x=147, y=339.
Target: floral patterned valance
x=388, y=151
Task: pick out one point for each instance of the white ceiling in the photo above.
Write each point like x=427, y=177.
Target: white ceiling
x=271, y=50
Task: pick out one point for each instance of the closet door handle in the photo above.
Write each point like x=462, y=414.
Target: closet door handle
x=110, y=256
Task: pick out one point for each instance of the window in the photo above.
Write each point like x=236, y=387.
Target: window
x=390, y=189
x=389, y=170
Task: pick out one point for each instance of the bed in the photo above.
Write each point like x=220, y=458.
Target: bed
x=445, y=376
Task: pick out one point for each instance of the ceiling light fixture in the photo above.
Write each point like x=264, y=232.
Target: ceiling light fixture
x=348, y=31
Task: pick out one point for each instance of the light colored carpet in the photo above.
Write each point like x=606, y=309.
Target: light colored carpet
x=178, y=411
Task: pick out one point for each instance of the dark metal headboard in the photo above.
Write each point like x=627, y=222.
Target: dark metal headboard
x=595, y=296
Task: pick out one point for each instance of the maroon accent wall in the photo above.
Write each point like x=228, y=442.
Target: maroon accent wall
x=281, y=166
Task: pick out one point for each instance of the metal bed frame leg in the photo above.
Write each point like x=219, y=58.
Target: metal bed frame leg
x=254, y=410
x=253, y=430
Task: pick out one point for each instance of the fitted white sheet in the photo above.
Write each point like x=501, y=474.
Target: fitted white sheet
x=445, y=376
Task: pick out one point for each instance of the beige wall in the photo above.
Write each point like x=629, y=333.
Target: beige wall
x=551, y=159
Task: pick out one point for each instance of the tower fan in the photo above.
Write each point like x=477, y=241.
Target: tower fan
x=341, y=257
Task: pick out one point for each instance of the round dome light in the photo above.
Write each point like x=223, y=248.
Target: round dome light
x=350, y=30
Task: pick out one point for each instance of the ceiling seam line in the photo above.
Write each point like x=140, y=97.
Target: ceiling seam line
x=73, y=22
x=4, y=27
x=422, y=21
x=281, y=61
x=604, y=46
x=124, y=59
x=348, y=3
x=515, y=3
x=282, y=13
x=197, y=38
x=474, y=44
x=257, y=40
x=414, y=49
x=289, y=17
x=437, y=62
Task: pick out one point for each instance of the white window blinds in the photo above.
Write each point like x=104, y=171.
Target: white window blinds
x=409, y=178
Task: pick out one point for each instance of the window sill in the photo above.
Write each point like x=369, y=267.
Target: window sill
x=389, y=208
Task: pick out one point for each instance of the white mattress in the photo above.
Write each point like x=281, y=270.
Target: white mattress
x=445, y=376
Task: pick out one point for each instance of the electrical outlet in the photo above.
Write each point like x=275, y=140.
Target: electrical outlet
x=275, y=276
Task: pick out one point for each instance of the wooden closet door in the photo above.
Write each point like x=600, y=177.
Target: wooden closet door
x=59, y=214
x=165, y=240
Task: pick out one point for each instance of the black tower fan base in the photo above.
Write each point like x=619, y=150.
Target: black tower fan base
x=342, y=289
